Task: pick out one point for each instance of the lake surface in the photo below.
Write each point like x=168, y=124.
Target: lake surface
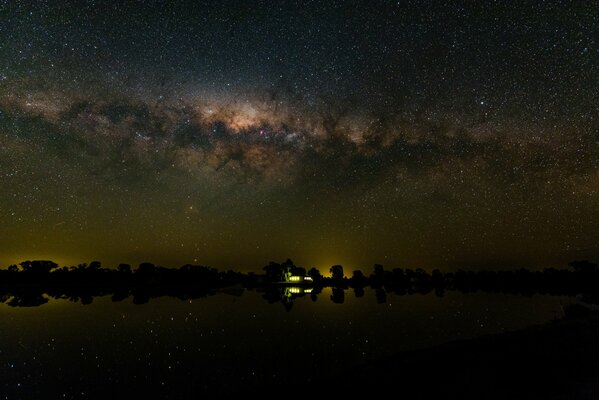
x=226, y=343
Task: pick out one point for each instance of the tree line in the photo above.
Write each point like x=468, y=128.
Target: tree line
x=28, y=283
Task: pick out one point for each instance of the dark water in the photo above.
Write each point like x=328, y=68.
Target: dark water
x=226, y=344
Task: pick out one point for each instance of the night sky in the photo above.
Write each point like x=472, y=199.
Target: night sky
x=231, y=133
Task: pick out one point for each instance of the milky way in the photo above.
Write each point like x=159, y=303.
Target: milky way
x=230, y=134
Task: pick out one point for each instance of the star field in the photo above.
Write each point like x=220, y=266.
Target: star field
x=232, y=133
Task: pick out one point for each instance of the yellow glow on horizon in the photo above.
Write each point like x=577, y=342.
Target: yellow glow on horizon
x=16, y=259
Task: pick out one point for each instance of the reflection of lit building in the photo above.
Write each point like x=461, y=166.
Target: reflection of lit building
x=299, y=290
x=294, y=291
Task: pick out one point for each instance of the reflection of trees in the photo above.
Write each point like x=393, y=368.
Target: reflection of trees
x=28, y=300
x=287, y=294
x=119, y=296
x=279, y=294
x=141, y=297
x=359, y=291
x=338, y=295
x=381, y=296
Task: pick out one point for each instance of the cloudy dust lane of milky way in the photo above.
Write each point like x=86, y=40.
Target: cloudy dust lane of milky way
x=231, y=134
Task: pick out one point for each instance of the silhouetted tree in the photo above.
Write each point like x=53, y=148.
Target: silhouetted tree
x=124, y=269
x=377, y=277
x=300, y=271
x=145, y=272
x=314, y=274
x=288, y=268
x=336, y=272
x=95, y=265
x=378, y=270
x=437, y=277
x=273, y=271
x=358, y=279
x=38, y=266
x=146, y=268
x=583, y=266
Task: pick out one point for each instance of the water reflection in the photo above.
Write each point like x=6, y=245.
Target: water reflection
x=272, y=293
x=231, y=340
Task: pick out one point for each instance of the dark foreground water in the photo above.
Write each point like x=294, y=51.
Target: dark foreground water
x=226, y=344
